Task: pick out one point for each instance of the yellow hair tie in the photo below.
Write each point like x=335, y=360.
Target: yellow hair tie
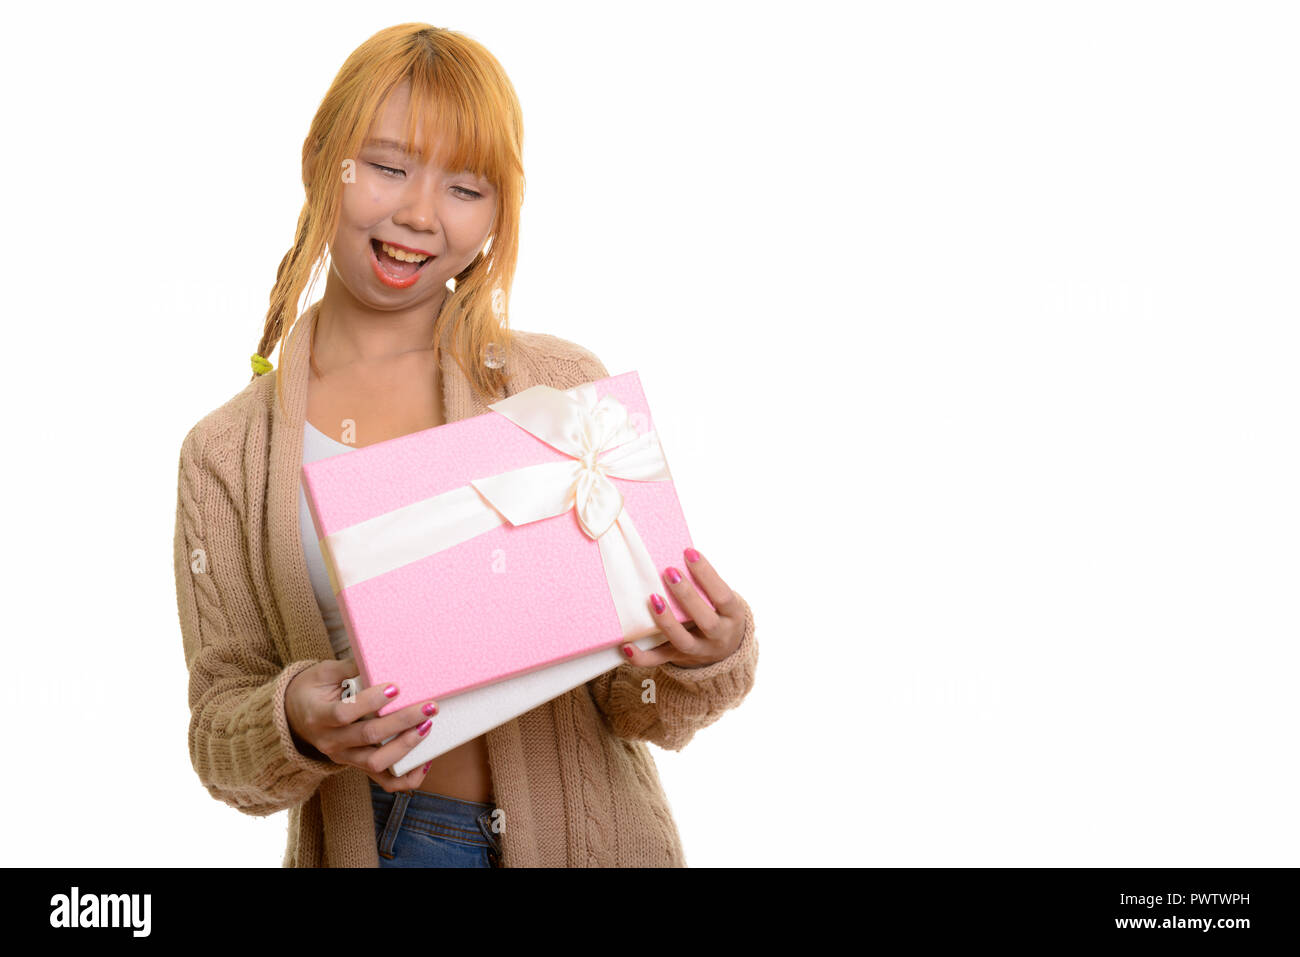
x=260, y=365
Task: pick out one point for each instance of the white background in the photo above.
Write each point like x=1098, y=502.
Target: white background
x=970, y=330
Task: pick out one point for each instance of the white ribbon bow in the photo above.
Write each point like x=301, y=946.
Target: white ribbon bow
x=600, y=441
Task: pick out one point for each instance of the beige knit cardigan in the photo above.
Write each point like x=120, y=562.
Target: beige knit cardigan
x=574, y=776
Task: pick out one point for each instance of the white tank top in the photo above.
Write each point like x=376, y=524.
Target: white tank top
x=316, y=445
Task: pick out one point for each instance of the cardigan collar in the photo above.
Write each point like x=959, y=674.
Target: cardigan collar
x=306, y=633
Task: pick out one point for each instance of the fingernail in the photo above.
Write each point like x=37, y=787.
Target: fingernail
x=390, y=690
x=674, y=576
x=424, y=728
x=627, y=650
x=658, y=603
x=425, y=769
x=692, y=555
x=430, y=708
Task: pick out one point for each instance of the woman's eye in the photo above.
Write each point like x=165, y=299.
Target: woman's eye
x=390, y=171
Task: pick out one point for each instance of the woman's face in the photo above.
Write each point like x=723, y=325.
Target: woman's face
x=413, y=206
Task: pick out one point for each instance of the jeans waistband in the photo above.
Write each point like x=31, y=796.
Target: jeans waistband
x=452, y=818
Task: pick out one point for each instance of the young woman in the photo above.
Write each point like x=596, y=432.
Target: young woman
x=413, y=177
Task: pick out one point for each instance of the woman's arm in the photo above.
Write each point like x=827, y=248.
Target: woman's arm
x=683, y=700
x=240, y=742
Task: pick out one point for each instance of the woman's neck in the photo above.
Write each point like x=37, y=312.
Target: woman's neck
x=346, y=333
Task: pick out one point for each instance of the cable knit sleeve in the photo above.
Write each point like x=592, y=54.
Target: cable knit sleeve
x=685, y=699
x=240, y=742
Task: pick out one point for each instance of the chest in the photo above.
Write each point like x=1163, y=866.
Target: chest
x=363, y=404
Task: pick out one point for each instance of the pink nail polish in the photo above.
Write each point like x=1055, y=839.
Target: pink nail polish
x=692, y=555
x=430, y=708
x=390, y=691
x=424, y=728
x=659, y=604
x=627, y=650
x=674, y=576
x=425, y=769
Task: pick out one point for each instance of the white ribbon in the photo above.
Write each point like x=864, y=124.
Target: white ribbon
x=600, y=442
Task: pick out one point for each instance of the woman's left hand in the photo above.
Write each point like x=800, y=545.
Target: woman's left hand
x=712, y=636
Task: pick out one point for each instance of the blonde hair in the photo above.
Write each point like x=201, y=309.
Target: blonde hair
x=472, y=112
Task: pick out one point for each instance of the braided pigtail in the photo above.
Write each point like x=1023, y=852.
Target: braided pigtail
x=290, y=278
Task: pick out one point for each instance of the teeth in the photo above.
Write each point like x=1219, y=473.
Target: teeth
x=403, y=255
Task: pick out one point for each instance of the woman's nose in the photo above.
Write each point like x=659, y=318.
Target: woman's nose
x=421, y=209
x=419, y=217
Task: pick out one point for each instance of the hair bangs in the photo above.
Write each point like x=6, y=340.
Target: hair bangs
x=456, y=116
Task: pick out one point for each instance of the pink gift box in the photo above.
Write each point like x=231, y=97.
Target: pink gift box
x=503, y=599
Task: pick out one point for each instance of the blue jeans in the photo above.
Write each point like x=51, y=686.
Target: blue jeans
x=422, y=829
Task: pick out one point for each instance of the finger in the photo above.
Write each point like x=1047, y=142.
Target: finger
x=369, y=732
x=376, y=757
x=725, y=602
x=351, y=686
x=658, y=655
x=407, y=782
x=685, y=594
x=387, y=755
x=680, y=641
x=367, y=702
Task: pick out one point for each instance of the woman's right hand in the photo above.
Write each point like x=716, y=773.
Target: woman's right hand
x=348, y=732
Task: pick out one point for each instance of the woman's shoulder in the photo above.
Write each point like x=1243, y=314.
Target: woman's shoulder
x=550, y=360
x=228, y=427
